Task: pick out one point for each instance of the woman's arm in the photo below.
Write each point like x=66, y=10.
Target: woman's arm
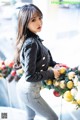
x=30, y=53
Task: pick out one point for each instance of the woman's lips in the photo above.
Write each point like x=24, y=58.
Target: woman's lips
x=39, y=28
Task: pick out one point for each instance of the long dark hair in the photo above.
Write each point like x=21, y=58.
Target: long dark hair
x=25, y=14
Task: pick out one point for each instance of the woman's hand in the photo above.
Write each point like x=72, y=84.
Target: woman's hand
x=56, y=73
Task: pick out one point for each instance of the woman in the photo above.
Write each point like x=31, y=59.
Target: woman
x=35, y=59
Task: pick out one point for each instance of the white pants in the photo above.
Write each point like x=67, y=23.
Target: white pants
x=32, y=102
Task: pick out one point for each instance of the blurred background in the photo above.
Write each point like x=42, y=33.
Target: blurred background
x=61, y=34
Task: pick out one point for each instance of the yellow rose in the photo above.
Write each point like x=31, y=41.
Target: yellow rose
x=62, y=84
x=56, y=83
x=78, y=101
x=71, y=75
x=49, y=82
x=67, y=96
x=62, y=70
x=70, y=84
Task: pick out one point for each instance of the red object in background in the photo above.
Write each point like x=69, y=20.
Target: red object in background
x=3, y=67
x=13, y=72
x=11, y=64
x=3, y=63
x=56, y=93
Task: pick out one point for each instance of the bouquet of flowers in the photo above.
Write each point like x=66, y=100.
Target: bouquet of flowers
x=67, y=85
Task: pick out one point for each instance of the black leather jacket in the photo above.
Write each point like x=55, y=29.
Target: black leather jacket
x=35, y=59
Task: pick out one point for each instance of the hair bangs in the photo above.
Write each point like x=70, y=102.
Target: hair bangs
x=35, y=12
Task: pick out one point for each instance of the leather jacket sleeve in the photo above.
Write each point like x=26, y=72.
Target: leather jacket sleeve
x=30, y=57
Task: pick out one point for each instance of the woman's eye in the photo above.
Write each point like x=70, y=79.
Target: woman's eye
x=40, y=18
x=33, y=20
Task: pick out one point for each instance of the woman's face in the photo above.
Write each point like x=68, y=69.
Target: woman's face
x=35, y=24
